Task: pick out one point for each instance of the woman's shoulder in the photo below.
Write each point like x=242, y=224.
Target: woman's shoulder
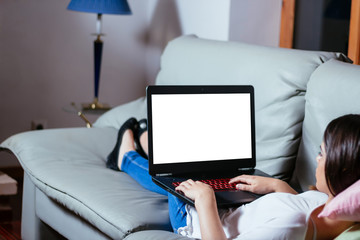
x=314, y=195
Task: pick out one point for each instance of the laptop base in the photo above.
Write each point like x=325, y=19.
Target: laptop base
x=224, y=199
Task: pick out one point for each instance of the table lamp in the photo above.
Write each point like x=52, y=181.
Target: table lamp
x=99, y=7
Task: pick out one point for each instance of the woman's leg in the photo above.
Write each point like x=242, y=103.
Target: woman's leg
x=177, y=212
x=143, y=139
x=137, y=167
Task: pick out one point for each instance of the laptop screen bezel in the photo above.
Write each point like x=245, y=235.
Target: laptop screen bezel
x=212, y=166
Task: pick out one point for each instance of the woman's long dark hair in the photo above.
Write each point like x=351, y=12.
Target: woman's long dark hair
x=342, y=147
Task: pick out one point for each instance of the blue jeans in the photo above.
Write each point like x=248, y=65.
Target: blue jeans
x=138, y=168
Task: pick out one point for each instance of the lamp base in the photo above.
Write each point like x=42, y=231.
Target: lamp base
x=95, y=106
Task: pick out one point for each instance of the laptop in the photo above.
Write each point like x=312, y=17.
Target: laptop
x=204, y=133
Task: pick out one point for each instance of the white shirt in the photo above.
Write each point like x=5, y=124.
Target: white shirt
x=273, y=216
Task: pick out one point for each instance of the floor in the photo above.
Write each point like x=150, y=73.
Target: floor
x=10, y=230
x=10, y=216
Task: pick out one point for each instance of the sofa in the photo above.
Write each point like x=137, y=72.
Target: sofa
x=69, y=193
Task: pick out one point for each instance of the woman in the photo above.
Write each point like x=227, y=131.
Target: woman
x=281, y=214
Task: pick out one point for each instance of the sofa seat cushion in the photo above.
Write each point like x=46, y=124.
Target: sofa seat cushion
x=333, y=91
x=155, y=235
x=278, y=75
x=68, y=165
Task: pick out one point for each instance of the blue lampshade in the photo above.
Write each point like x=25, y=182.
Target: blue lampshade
x=100, y=6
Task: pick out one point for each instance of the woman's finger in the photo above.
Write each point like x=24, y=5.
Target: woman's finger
x=244, y=187
x=187, y=182
x=185, y=185
x=242, y=178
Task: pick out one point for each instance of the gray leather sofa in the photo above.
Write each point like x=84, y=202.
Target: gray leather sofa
x=68, y=191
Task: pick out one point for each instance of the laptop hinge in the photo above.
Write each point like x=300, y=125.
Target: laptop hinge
x=245, y=169
x=163, y=174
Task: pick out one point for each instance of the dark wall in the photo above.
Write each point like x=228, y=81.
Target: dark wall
x=322, y=25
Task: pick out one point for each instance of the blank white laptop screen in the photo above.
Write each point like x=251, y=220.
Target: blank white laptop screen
x=201, y=127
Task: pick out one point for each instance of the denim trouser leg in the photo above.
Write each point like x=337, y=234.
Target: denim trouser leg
x=177, y=212
x=138, y=168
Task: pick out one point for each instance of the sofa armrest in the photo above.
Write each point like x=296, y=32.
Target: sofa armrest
x=34, y=148
x=68, y=165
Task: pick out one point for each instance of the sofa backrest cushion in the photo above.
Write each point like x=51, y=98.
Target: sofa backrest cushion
x=278, y=75
x=333, y=91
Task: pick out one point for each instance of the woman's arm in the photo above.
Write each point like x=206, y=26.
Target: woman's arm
x=261, y=185
x=205, y=204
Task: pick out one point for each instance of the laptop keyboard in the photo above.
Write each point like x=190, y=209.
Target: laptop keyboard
x=219, y=184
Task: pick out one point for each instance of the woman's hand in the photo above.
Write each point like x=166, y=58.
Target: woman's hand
x=205, y=204
x=195, y=190
x=261, y=185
